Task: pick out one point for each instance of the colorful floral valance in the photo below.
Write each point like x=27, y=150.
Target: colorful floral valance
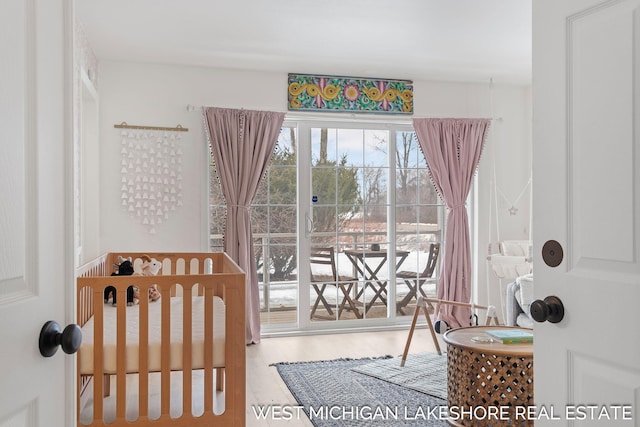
x=349, y=94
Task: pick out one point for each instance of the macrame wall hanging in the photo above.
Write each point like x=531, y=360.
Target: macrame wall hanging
x=151, y=173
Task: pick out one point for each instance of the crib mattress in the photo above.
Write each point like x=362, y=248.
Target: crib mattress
x=133, y=328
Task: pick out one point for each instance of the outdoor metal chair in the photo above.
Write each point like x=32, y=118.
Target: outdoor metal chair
x=324, y=274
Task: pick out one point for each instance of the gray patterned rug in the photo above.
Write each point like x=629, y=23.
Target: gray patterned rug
x=332, y=393
x=424, y=372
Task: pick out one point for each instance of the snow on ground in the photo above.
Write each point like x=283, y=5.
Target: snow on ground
x=284, y=294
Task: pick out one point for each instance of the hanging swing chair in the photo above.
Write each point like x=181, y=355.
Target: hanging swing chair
x=506, y=259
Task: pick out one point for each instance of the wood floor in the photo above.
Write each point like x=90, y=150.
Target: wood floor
x=265, y=387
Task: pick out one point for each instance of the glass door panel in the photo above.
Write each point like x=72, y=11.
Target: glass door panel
x=349, y=175
x=419, y=216
x=274, y=216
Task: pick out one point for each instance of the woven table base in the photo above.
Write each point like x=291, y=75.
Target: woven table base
x=489, y=390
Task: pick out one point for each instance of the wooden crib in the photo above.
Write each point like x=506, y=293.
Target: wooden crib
x=195, y=330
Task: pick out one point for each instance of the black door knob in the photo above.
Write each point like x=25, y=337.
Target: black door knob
x=51, y=336
x=550, y=309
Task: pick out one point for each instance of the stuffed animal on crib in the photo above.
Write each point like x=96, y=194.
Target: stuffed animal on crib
x=125, y=268
x=150, y=267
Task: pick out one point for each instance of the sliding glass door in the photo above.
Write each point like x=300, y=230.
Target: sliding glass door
x=360, y=193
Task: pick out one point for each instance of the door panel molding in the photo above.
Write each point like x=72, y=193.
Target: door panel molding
x=23, y=417
x=587, y=374
x=605, y=235
x=17, y=276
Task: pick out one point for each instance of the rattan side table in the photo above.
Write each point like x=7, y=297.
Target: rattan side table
x=490, y=384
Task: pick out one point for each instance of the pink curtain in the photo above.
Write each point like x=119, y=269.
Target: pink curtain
x=452, y=148
x=242, y=143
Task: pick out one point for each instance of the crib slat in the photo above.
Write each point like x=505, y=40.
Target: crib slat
x=187, y=302
x=143, y=363
x=208, y=350
x=98, y=362
x=220, y=291
x=121, y=354
x=165, y=376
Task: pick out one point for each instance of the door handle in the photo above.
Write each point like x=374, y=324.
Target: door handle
x=309, y=225
x=51, y=336
x=550, y=309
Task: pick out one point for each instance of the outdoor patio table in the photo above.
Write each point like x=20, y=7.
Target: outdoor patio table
x=368, y=264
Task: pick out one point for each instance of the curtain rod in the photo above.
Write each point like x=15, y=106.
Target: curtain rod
x=124, y=125
x=355, y=115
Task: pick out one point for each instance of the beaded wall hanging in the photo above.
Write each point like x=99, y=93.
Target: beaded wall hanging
x=151, y=173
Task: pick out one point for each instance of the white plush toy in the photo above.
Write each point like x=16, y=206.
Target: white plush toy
x=150, y=267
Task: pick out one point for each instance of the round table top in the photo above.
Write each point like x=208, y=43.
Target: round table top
x=475, y=338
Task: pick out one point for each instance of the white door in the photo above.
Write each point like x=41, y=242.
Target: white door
x=586, y=142
x=36, y=263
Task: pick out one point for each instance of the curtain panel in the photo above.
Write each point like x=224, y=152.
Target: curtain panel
x=452, y=149
x=242, y=143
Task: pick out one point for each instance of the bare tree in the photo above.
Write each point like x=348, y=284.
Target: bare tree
x=403, y=156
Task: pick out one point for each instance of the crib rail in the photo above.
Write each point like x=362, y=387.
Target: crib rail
x=202, y=274
x=97, y=267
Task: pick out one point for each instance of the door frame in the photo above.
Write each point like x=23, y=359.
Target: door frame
x=70, y=132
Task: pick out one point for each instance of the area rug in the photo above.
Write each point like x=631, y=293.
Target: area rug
x=332, y=393
x=424, y=372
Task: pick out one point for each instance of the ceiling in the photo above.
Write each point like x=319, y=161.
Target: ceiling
x=451, y=40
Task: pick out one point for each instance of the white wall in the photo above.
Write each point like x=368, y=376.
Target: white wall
x=85, y=148
x=158, y=95
x=508, y=149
